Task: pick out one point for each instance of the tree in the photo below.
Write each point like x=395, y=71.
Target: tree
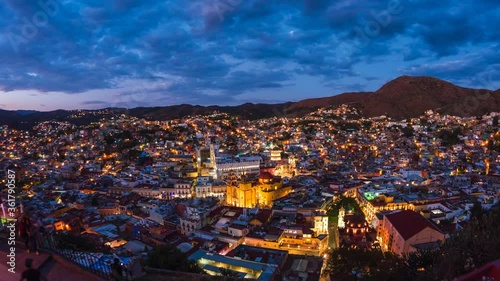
x=350, y=126
x=134, y=154
x=415, y=158
x=109, y=140
x=421, y=264
x=495, y=121
x=95, y=201
x=408, y=131
x=171, y=258
x=450, y=137
x=350, y=264
x=474, y=246
x=477, y=210
x=348, y=203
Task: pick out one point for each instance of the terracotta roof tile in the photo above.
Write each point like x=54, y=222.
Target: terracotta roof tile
x=409, y=223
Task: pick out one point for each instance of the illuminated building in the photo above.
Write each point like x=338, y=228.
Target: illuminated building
x=213, y=263
x=275, y=155
x=295, y=240
x=190, y=224
x=372, y=202
x=241, y=167
x=202, y=157
x=206, y=188
x=183, y=189
x=403, y=232
x=341, y=223
x=224, y=165
x=356, y=224
x=321, y=224
x=261, y=193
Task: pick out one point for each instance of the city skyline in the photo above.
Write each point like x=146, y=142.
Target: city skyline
x=270, y=140
x=330, y=190
x=71, y=55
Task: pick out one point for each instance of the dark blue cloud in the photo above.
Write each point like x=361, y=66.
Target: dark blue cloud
x=207, y=51
x=479, y=69
x=100, y=102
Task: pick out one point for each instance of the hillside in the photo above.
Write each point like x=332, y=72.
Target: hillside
x=403, y=97
x=408, y=96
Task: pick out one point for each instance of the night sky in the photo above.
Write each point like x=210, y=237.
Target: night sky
x=85, y=54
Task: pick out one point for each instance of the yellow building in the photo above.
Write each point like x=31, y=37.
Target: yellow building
x=372, y=202
x=295, y=241
x=261, y=193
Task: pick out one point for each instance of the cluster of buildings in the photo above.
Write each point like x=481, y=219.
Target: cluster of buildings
x=253, y=197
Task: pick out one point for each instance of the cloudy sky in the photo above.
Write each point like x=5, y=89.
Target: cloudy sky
x=85, y=54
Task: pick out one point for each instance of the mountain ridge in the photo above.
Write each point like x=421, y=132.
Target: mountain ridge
x=403, y=97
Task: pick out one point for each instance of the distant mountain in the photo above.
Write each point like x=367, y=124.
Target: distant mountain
x=21, y=119
x=247, y=111
x=25, y=112
x=402, y=97
x=408, y=96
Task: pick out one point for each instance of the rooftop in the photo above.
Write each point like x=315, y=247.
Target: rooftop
x=409, y=223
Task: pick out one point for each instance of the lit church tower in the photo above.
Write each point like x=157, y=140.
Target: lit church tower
x=213, y=154
x=341, y=223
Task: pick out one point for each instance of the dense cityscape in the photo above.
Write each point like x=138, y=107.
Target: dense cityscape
x=280, y=198
x=255, y=140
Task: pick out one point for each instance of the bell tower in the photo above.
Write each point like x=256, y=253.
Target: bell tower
x=341, y=223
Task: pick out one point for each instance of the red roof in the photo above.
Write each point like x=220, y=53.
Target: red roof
x=216, y=211
x=409, y=223
x=355, y=219
x=266, y=176
x=263, y=215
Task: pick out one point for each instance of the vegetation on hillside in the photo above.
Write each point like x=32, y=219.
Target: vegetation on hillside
x=469, y=249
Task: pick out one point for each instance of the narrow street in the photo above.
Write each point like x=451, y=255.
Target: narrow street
x=332, y=235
